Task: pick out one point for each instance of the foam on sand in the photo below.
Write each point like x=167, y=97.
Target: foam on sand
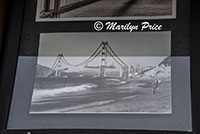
x=41, y=94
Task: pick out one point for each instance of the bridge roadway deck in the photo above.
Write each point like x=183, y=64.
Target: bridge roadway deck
x=111, y=8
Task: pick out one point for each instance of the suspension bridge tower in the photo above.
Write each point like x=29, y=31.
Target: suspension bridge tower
x=104, y=50
x=59, y=66
x=103, y=58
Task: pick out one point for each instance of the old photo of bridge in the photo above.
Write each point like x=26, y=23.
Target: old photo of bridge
x=70, y=10
x=102, y=73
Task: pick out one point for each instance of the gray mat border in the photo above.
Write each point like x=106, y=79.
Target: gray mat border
x=180, y=120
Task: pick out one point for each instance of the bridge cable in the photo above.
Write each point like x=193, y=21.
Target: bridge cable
x=52, y=68
x=83, y=63
x=117, y=56
x=86, y=61
x=115, y=59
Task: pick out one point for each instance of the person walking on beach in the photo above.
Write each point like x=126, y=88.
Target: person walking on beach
x=155, y=84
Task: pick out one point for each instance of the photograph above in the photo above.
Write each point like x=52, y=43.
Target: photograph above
x=83, y=10
x=105, y=74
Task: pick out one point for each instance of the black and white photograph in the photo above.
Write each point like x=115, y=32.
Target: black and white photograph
x=74, y=10
x=128, y=73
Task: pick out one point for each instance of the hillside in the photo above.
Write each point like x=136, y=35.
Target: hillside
x=42, y=71
x=165, y=62
x=162, y=70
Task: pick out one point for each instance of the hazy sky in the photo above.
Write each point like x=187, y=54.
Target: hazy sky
x=124, y=44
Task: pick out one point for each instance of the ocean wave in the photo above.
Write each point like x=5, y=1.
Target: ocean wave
x=42, y=94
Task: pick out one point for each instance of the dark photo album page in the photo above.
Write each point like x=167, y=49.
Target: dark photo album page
x=103, y=64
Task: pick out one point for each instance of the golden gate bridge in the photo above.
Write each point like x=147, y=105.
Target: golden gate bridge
x=103, y=51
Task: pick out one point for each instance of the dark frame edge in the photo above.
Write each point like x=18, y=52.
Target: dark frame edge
x=195, y=21
x=11, y=39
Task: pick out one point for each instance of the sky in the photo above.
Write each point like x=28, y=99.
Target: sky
x=144, y=48
x=123, y=43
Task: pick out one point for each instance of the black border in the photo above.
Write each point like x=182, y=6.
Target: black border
x=195, y=65
x=9, y=56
